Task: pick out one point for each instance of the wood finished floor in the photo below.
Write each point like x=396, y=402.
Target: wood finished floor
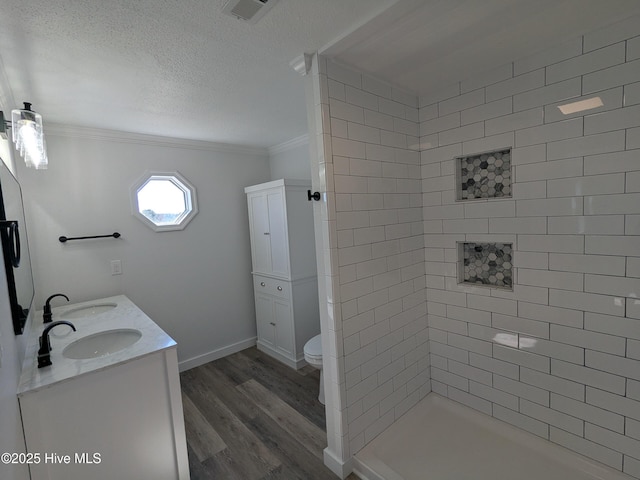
x=250, y=417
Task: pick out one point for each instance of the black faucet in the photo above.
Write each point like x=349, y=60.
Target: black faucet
x=46, y=316
x=44, y=359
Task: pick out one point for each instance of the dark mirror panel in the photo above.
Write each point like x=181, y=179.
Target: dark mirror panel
x=15, y=248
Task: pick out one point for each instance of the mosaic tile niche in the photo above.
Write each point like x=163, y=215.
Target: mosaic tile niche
x=486, y=264
x=484, y=175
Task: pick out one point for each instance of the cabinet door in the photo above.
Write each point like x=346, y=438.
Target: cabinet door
x=278, y=233
x=265, y=321
x=274, y=321
x=260, y=241
x=284, y=327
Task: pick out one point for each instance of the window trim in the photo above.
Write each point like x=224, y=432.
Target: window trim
x=182, y=183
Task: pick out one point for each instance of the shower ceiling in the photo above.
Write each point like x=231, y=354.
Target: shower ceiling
x=185, y=70
x=423, y=45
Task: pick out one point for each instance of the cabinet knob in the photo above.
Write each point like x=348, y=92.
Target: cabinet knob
x=271, y=323
x=262, y=284
x=279, y=288
x=266, y=233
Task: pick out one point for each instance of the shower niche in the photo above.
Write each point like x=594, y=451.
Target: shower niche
x=484, y=175
x=489, y=264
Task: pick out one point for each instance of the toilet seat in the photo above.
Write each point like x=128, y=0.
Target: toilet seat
x=313, y=348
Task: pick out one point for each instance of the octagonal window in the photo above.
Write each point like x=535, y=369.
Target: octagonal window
x=164, y=201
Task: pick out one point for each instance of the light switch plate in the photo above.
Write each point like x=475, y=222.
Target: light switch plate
x=116, y=267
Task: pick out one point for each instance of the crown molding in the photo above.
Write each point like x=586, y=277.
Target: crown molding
x=61, y=130
x=289, y=144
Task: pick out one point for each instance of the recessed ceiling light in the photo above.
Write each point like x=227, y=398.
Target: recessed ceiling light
x=580, y=106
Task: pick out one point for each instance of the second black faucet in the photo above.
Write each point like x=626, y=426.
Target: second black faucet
x=46, y=316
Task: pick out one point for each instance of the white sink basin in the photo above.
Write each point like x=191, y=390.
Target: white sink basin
x=88, y=310
x=102, y=344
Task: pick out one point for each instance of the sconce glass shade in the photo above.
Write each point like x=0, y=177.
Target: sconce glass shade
x=26, y=127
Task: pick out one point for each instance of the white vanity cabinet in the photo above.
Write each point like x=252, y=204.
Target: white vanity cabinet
x=284, y=268
x=115, y=416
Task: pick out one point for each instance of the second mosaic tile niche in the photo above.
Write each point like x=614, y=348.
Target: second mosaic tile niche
x=488, y=264
x=484, y=175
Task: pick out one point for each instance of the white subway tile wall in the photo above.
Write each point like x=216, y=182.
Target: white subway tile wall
x=380, y=280
x=560, y=355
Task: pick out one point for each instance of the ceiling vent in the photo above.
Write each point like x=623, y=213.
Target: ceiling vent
x=249, y=11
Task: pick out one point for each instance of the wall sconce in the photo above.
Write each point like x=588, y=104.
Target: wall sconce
x=27, y=135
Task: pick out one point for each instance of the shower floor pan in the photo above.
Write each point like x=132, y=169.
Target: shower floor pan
x=439, y=439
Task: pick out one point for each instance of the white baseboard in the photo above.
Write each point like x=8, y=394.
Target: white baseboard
x=337, y=466
x=295, y=364
x=216, y=354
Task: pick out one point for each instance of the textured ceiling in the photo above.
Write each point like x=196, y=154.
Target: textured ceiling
x=177, y=68
x=180, y=68
x=423, y=45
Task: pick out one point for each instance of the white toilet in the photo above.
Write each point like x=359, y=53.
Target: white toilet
x=313, y=356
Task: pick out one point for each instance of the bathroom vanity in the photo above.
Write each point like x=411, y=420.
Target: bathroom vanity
x=110, y=405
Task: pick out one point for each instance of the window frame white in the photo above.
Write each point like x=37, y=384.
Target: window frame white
x=191, y=204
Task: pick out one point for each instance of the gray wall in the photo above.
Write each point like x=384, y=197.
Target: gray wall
x=195, y=283
x=290, y=160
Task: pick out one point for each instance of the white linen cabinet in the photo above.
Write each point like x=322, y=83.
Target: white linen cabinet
x=283, y=261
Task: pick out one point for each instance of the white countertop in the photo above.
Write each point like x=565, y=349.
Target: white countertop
x=126, y=315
